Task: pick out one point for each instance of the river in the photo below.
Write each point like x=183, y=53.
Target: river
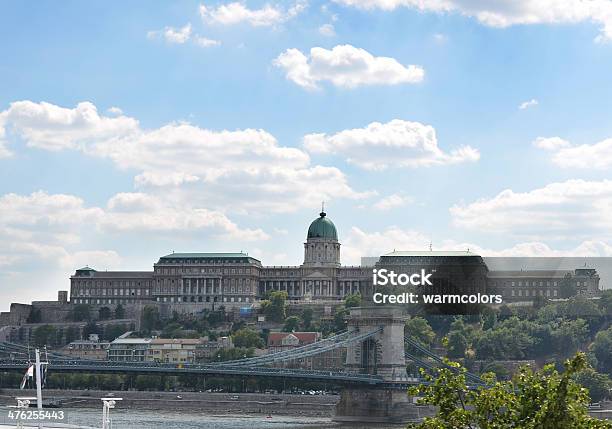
x=141, y=419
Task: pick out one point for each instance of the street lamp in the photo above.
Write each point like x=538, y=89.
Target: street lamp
x=108, y=404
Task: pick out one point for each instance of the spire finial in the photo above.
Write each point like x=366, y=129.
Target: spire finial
x=322, y=209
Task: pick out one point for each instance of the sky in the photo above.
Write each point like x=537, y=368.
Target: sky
x=129, y=130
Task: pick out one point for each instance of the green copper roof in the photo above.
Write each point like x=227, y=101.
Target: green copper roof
x=322, y=227
x=206, y=255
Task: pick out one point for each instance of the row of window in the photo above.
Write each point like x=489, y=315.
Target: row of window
x=188, y=270
x=110, y=292
x=204, y=299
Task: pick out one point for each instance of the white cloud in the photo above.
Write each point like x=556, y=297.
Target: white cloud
x=115, y=110
x=181, y=36
x=327, y=30
x=566, y=155
x=440, y=38
x=507, y=13
x=228, y=170
x=345, y=66
x=205, y=42
x=392, y=201
x=238, y=12
x=397, y=143
x=358, y=243
x=526, y=104
x=172, y=34
x=550, y=143
x=47, y=126
x=571, y=209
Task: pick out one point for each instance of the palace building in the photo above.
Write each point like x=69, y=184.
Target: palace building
x=202, y=280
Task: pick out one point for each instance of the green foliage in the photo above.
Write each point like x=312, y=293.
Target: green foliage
x=419, y=329
x=119, y=312
x=352, y=300
x=602, y=349
x=544, y=399
x=113, y=331
x=292, y=324
x=605, y=302
x=91, y=328
x=597, y=384
x=307, y=319
x=104, y=313
x=72, y=334
x=80, y=313
x=149, y=319
x=275, y=308
x=247, y=338
x=459, y=338
x=45, y=335
x=234, y=353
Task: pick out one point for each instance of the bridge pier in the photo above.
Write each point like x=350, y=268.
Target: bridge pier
x=383, y=355
x=375, y=405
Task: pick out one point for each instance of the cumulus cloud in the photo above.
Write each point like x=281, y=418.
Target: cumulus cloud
x=172, y=34
x=115, y=110
x=527, y=104
x=327, y=30
x=570, y=209
x=507, y=13
x=345, y=66
x=566, y=155
x=391, y=201
x=47, y=126
x=47, y=228
x=238, y=12
x=181, y=36
x=234, y=170
x=397, y=143
x=550, y=143
x=205, y=42
x=359, y=242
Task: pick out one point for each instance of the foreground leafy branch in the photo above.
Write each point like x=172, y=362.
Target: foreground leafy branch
x=544, y=399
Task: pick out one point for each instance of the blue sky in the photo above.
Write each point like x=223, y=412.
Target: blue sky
x=454, y=159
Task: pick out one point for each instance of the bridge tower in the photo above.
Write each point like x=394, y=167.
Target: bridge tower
x=383, y=355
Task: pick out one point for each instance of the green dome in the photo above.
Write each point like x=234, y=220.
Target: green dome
x=322, y=227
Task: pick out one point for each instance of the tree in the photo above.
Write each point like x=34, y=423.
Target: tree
x=45, y=335
x=72, y=334
x=545, y=399
x=104, y=313
x=234, y=353
x=569, y=335
x=275, y=308
x=352, y=300
x=307, y=314
x=113, y=331
x=247, y=338
x=605, y=302
x=597, y=384
x=91, y=328
x=602, y=349
x=149, y=320
x=419, y=329
x=119, y=312
x=80, y=313
x=292, y=324
x=567, y=287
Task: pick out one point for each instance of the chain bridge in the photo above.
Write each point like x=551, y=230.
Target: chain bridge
x=374, y=379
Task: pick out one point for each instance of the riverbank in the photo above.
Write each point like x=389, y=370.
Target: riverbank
x=217, y=403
